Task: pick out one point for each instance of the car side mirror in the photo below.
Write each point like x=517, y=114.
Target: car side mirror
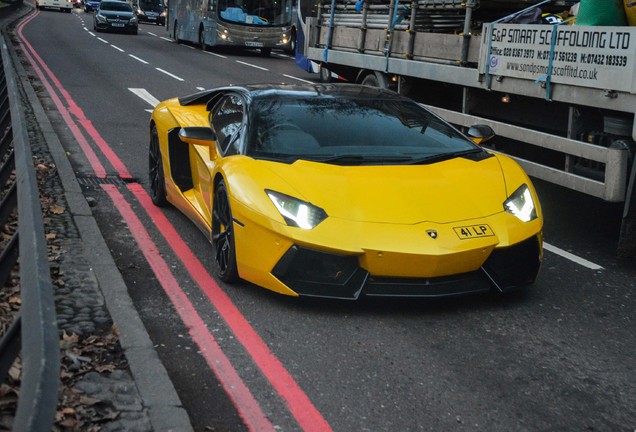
x=198, y=136
x=480, y=133
x=202, y=136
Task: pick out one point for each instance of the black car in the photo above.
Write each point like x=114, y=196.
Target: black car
x=115, y=15
x=153, y=11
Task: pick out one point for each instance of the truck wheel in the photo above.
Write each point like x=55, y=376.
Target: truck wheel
x=325, y=74
x=375, y=80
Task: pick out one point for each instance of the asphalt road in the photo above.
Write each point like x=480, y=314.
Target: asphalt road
x=558, y=356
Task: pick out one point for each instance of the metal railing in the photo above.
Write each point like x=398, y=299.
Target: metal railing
x=34, y=332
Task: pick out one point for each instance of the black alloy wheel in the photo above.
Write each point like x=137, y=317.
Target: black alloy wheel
x=223, y=236
x=155, y=169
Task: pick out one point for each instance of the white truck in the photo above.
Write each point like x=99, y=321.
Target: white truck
x=560, y=97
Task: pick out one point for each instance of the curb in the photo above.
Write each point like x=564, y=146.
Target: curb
x=150, y=376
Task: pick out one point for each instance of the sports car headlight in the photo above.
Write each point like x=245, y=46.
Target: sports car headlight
x=296, y=212
x=521, y=204
x=101, y=18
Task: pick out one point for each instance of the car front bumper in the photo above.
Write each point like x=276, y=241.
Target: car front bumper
x=344, y=259
x=313, y=273
x=124, y=27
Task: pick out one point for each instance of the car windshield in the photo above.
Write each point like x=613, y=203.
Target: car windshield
x=115, y=6
x=351, y=131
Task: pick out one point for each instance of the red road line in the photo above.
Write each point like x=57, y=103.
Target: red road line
x=305, y=413
x=74, y=109
x=248, y=408
x=297, y=401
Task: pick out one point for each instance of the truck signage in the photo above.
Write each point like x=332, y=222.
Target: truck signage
x=598, y=57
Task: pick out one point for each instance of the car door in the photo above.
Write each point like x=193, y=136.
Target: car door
x=227, y=120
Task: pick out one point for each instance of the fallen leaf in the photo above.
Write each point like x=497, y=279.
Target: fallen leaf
x=86, y=400
x=56, y=209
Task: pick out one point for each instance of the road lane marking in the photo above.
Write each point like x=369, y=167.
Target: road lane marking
x=138, y=59
x=299, y=79
x=242, y=398
x=201, y=88
x=152, y=34
x=143, y=94
x=103, y=40
x=296, y=400
x=166, y=39
x=91, y=33
x=117, y=48
x=215, y=54
x=188, y=46
x=169, y=74
x=251, y=65
x=567, y=255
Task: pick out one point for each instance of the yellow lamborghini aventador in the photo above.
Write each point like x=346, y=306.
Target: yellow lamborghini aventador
x=338, y=190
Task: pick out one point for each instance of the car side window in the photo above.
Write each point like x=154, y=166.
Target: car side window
x=226, y=121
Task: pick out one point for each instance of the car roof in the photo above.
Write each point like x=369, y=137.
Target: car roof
x=257, y=91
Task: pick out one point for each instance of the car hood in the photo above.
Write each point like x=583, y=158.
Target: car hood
x=448, y=191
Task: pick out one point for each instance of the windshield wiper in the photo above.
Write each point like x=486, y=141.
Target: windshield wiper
x=352, y=158
x=442, y=156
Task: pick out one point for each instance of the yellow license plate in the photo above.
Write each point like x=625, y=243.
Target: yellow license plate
x=473, y=231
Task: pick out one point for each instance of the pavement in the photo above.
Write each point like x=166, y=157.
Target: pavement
x=92, y=296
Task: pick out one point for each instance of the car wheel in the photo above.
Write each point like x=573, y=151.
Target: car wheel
x=155, y=169
x=223, y=235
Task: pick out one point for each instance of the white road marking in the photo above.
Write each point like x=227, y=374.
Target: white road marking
x=281, y=55
x=251, y=65
x=215, y=54
x=299, y=79
x=117, y=48
x=188, y=46
x=149, y=110
x=91, y=33
x=152, y=34
x=143, y=94
x=85, y=29
x=166, y=39
x=571, y=257
x=201, y=88
x=138, y=59
x=169, y=74
x=103, y=40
